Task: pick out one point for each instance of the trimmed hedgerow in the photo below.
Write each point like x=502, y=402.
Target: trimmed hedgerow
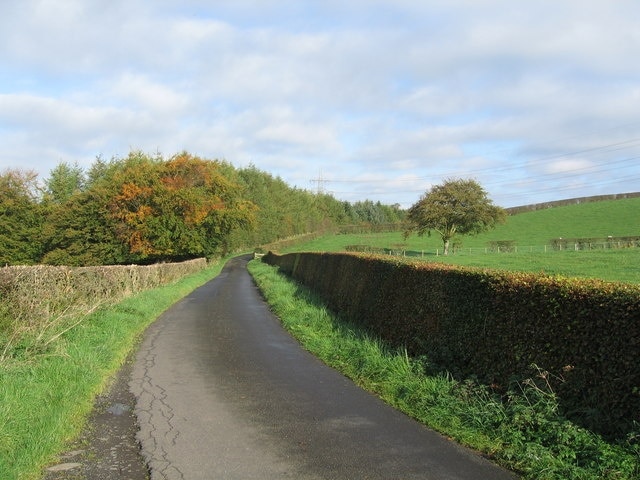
x=493, y=325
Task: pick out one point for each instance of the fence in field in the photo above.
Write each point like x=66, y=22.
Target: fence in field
x=504, y=247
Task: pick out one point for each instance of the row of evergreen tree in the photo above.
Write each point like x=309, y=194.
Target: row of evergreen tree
x=145, y=208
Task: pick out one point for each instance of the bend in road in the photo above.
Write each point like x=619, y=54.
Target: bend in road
x=223, y=392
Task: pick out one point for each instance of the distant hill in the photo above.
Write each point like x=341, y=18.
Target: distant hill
x=570, y=201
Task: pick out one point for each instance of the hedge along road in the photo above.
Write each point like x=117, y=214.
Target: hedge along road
x=224, y=392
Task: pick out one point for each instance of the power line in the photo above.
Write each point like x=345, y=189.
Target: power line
x=505, y=168
x=511, y=196
x=575, y=172
x=320, y=182
x=594, y=172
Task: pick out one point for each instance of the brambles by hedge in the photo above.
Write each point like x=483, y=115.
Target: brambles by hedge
x=39, y=303
x=494, y=325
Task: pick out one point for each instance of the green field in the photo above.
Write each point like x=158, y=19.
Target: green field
x=531, y=232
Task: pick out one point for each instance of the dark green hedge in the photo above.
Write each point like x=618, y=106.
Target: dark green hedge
x=494, y=325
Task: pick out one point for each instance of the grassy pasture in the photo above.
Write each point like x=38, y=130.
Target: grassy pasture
x=531, y=231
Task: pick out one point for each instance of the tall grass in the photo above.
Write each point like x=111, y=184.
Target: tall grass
x=521, y=429
x=46, y=395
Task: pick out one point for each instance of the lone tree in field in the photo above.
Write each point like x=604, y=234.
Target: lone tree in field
x=457, y=207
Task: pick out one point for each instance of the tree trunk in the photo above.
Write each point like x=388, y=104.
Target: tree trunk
x=446, y=247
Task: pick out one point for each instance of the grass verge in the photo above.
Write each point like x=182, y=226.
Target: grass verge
x=521, y=430
x=45, y=399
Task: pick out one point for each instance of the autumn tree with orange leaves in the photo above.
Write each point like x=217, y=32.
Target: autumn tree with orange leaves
x=180, y=208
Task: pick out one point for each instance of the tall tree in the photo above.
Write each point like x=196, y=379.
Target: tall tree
x=80, y=232
x=176, y=209
x=457, y=207
x=284, y=210
x=20, y=217
x=64, y=180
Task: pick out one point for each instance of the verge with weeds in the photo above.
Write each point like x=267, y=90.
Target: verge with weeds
x=521, y=430
x=47, y=393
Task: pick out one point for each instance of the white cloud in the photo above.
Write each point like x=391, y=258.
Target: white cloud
x=398, y=89
x=575, y=165
x=138, y=91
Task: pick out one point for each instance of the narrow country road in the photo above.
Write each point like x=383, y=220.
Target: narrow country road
x=223, y=392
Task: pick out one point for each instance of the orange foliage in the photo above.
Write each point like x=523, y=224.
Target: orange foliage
x=132, y=207
x=184, y=170
x=173, y=183
x=183, y=192
x=131, y=191
x=139, y=244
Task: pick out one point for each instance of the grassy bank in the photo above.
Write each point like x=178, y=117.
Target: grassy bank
x=46, y=397
x=521, y=430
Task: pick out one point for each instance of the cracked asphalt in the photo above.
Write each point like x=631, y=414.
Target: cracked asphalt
x=107, y=449
x=223, y=392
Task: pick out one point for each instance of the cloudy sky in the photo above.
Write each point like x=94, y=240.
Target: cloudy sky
x=365, y=99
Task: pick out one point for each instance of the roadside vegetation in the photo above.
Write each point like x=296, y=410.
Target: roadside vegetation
x=521, y=430
x=47, y=393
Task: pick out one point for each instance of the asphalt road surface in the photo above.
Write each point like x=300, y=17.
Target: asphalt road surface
x=223, y=392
